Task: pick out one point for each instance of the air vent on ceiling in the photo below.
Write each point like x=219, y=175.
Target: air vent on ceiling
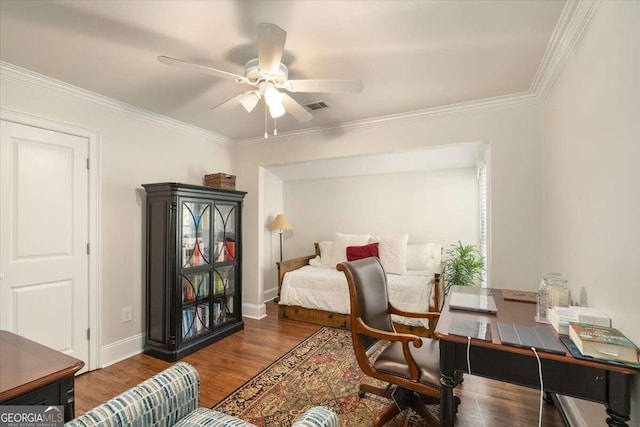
x=318, y=105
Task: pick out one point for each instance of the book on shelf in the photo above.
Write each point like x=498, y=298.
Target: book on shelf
x=195, y=320
x=559, y=317
x=230, y=305
x=202, y=290
x=203, y=317
x=218, y=285
x=216, y=313
x=603, y=343
x=219, y=251
x=187, y=291
x=188, y=328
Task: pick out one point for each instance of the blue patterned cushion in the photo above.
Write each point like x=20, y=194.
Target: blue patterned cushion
x=162, y=400
x=211, y=418
x=318, y=416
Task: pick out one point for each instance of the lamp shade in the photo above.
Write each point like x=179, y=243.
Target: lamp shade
x=280, y=223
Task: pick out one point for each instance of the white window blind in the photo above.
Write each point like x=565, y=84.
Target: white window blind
x=482, y=198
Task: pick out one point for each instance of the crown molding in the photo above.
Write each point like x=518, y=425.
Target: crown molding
x=574, y=18
x=14, y=72
x=412, y=116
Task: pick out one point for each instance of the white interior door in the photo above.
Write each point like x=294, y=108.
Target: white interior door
x=44, y=265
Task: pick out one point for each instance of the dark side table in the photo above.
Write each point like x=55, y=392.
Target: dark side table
x=32, y=374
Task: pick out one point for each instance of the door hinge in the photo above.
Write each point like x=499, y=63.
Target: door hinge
x=87, y=163
x=88, y=334
x=88, y=252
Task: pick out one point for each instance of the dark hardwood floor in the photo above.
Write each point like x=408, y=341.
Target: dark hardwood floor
x=230, y=362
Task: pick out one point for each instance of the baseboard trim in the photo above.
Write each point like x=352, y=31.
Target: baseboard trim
x=120, y=350
x=270, y=294
x=254, y=311
x=128, y=347
x=569, y=411
x=561, y=410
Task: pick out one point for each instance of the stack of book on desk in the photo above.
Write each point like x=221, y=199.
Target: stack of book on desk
x=559, y=317
x=603, y=343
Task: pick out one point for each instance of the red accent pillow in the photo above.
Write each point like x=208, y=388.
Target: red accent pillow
x=359, y=252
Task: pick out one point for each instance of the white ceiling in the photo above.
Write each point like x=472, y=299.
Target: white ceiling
x=410, y=55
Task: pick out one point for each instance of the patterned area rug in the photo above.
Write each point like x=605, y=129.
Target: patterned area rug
x=322, y=370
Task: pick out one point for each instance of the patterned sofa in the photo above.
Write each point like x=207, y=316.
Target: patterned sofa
x=172, y=398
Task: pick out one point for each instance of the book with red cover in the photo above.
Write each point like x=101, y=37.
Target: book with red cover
x=601, y=342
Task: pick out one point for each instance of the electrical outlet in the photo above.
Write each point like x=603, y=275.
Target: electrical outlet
x=127, y=314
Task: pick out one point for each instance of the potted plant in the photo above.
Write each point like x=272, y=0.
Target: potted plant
x=462, y=266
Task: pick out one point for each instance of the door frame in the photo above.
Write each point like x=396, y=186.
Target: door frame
x=93, y=139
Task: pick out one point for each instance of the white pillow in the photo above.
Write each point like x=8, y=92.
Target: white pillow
x=315, y=262
x=326, y=252
x=340, y=243
x=436, y=252
x=422, y=256
x=393, y=253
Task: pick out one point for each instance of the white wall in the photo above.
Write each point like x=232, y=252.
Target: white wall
x=432, y=206
x=590, y=137
x=512, y=132
x=134, y=151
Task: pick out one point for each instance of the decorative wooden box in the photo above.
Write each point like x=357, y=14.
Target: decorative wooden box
x=222, y=181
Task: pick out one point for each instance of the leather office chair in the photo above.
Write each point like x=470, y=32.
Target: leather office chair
x=410, y=364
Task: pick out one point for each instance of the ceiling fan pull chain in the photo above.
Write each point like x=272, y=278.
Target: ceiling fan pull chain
x=266, y=134
x=275, y=130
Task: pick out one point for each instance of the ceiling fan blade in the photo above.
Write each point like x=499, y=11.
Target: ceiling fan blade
x=324, y=86
x=245, y=99
x=271, y=40
x=202, y=69
x=296, y=110
x=249, y=100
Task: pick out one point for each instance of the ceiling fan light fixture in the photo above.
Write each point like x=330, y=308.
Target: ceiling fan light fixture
x=273, y=98
x=272, y=95
x=276, y=110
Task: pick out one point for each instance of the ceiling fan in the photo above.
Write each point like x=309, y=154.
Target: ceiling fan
x=270, y=78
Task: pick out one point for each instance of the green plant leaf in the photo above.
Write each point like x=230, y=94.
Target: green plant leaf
x=462, y=266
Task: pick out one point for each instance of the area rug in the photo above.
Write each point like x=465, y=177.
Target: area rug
x=322, y=370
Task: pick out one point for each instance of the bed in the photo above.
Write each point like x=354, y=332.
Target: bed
x=315, y=292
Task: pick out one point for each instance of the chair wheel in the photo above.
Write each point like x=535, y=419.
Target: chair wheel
x=361, y=394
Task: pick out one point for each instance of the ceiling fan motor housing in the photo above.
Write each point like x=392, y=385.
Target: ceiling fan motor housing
x=252, y=71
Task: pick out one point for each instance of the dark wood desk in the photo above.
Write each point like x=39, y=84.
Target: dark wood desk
x=32, y=374
x=595, y=381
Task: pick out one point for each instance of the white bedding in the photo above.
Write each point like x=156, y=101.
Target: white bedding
x=326, y=289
